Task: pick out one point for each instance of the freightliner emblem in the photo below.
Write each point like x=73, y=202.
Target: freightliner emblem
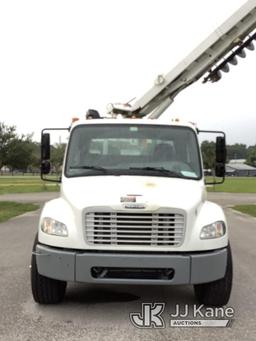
x=130, y=201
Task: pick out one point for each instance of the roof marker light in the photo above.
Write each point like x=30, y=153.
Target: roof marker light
x=74, y=119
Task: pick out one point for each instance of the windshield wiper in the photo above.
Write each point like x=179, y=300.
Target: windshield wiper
x=159, y=169
x=98, y=168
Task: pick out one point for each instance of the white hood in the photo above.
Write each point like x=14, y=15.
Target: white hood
x=153, y=192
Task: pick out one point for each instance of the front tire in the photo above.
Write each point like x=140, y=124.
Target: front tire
x=45, y=290
x=216, y=293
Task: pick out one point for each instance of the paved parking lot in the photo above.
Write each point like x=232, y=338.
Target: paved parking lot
x=102, y=312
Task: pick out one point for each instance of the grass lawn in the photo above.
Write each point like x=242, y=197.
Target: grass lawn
x=235, y=185
x=247, y=209
x=26, y=184
x=9, y=209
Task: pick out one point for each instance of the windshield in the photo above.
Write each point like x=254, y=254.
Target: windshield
x=111, y=149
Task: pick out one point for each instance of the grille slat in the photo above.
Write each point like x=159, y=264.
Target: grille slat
x=92, y=227
x=137, y=242
x=91, y=233
x=136, y=235
x=119, y=228
x=122, y=218
x=136, y=221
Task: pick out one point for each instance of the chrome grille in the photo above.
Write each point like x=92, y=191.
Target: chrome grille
x=125, y=228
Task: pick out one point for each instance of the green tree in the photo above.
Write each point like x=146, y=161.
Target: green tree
x=208, y=154
x=20, y=153
x=57, y=155
x=251, y=156
x=7, y=133
x=34, y=165
x=236, y=151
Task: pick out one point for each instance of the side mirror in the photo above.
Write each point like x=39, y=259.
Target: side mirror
x=45, y=167
x=46, y=155
x=45, y=147
x=221, y=154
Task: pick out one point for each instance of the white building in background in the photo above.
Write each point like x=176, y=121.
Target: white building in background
x=239, y=169
x=237, y=161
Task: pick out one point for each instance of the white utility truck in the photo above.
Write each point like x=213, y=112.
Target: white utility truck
x=133, y=207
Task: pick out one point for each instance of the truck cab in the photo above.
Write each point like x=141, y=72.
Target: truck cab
x=133, y=209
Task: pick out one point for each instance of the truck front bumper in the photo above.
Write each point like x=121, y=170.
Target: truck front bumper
x=131, y=268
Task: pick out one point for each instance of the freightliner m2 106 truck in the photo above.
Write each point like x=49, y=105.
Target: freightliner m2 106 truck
x=133, y=207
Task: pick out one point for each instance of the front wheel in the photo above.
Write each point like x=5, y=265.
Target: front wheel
x=216, y=293
x=45, y=290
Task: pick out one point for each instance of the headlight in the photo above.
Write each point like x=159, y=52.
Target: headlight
x=55, y=227
x=215, y=230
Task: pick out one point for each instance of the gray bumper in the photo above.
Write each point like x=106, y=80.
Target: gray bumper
x=80, y=266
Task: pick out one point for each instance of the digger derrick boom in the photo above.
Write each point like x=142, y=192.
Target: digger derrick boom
x=212, y=56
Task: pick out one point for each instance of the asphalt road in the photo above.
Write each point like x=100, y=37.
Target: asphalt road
x=102, y=312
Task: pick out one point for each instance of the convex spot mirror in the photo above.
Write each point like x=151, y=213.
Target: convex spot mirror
x=45, y=167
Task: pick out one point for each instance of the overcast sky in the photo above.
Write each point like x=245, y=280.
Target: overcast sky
x=60, y=57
